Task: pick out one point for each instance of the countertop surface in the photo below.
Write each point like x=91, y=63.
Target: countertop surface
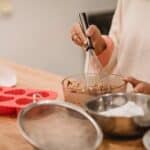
x=11, y=139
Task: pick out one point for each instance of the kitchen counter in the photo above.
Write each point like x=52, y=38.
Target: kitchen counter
x=11, y=139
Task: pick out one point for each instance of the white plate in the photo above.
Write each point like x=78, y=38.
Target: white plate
x=146, y=140
x=7, y=76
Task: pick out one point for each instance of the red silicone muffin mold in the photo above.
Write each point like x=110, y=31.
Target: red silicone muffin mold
x=12, y=100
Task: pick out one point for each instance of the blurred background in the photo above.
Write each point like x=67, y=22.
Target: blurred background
x=36, y=32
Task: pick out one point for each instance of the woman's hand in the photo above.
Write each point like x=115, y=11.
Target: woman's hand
x=79, y=38
x=138, y=85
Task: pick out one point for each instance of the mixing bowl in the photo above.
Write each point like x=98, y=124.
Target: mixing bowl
x=128, y=124
x=77, y=91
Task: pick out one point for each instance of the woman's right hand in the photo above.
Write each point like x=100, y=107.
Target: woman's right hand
x=80, y=39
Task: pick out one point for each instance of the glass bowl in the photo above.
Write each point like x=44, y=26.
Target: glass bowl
x=77, y=91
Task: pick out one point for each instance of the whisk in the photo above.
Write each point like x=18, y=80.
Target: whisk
x=93, y=68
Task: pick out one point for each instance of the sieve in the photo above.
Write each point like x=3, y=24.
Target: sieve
x=58, y=125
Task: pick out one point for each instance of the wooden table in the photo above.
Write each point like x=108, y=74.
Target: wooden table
x=10, y=138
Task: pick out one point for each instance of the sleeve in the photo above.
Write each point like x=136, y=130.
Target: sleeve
x=114, y=36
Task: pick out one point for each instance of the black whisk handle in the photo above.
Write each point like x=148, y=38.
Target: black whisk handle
x=84, y=24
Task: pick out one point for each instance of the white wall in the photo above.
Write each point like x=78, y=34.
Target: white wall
x=37, y=33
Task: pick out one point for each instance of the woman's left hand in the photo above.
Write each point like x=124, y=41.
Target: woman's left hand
x=138, y=85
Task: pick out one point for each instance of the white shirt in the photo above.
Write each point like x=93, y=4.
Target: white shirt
x=130, y=33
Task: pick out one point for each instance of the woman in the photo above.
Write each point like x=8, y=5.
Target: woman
x=126, y=50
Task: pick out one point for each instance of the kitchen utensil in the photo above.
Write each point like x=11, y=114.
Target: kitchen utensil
x=14, y=99
x=92, y=64
x=57, y=125
x=135, y=123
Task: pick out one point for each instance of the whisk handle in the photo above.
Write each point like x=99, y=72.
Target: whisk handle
x=84, y=24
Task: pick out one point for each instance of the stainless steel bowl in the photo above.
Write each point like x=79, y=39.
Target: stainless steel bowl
x=120, y=126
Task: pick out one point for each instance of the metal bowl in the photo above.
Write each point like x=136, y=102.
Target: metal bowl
x=120, y=125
